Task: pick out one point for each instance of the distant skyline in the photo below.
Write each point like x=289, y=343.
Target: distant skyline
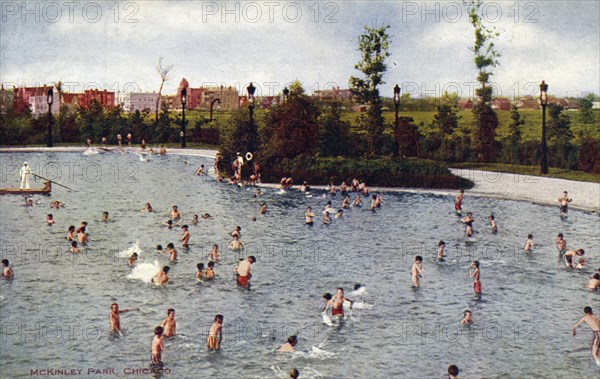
x=116, y=45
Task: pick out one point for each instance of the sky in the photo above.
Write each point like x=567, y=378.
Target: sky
x=116, y=45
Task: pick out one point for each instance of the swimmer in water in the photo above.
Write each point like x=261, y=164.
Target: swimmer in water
x=159, y=249
x=343, y=187
x=206, y=216
x=580, y=264
x=195, y=220
x=476, y=276
x=214, y=253
x=357, y=201
x=147, y=208
x=569, y=255
x=7, y=271
x=83, y=225
x=346, y=202
x=82, y=236
x=373, y=202
x=243, y=271
x=561, y=244
x=294, y=373
x=115, y=318
x=29, y=202
x=215, y=334
x=175, y=214
x=529, y=245
x=169, y=324
x=337, y=303
x=467, y=318
x=594, y=323
x=158, y=346
x=339, y=214
x=235, y=244
x=161, y=278
x=209, y=272
x=50, y=219
x=104, y=217
x=453, y=372
x=594, y=283
x=378, y=201
x=468, y=221
x=493, y=224
x=185, y=239
x=288, y=347
x=237, y=231
x=200, y=171
x=416, y=270
x=326, y=218
x=458, y=201
x=56, y=204
x=132, y=259
x=70, y=236
x=200, y=267
x=172, y=252
x=257, y=193
x=74, y=248
x=440, y=253
x=564, y=201
x=308, y=216
x=263, y=208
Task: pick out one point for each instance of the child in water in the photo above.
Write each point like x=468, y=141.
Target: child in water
x=529, y=245
x=215, y=335
x=440, y=253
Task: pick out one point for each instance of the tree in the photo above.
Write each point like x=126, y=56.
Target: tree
x=586, y=114
x=374, y=47
x=447, y=120
x=514, y=136
x=334, y=134
x=163, y=72
x=486, y=58
x=560, y=137
x=408, y=136
x=291, y=129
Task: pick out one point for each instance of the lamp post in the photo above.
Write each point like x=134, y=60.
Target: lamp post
x=251, y=90
x=212, y=104
x=50, y=100
x=544, y=103
x=183, y=101
x=286, y=92
x=397, y=90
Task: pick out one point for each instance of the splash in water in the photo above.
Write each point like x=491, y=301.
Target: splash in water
x=144, y=271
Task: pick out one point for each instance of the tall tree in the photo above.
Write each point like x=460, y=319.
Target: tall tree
x=334, y=134
x=586, y=114
x=163, y=72
x=560, y=137
x=514, y=136
x=447, y=120
x=374, y=47
x=486, y=58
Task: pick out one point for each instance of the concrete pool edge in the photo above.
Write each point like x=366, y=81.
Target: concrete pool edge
x=487, y=183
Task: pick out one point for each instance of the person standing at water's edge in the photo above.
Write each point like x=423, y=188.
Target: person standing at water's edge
x=594, y=323
x=115, y=317
x=564, y=203
x=24, y=174
x=458, y=201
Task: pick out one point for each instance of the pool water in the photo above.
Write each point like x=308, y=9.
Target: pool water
x=54, y=313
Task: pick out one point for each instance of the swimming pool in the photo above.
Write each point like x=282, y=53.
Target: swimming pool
x=54, y=313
